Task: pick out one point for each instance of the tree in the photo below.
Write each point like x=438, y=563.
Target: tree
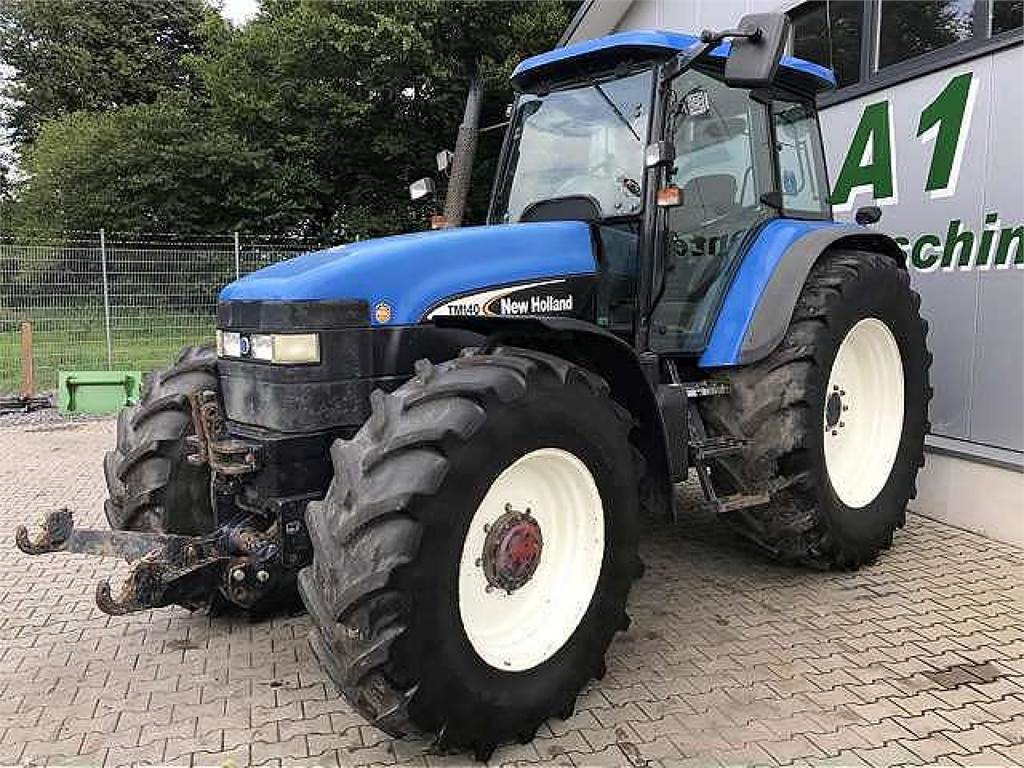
x=311, y=120
x=366, y=93
x=73, y=55
x=160, y=167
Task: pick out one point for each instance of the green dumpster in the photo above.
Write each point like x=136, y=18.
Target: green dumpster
x=97, y=391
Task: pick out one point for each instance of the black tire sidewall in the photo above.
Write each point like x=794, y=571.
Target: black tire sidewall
x=883, y=294
x=436, y=651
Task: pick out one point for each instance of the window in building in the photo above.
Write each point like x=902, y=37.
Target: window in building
x=907, y=30
x=801, y=161
x=1007, y=15
x=840, y=50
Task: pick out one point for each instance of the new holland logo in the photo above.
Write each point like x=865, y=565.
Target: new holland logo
x=554, y=297
x=534, y=305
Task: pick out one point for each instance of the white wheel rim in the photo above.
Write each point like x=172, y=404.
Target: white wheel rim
x=517, y=631
x=863, y=436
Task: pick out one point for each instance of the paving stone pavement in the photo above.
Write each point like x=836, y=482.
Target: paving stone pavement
x=730, y=660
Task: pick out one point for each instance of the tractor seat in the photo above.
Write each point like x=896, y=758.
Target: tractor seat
x=705, y=198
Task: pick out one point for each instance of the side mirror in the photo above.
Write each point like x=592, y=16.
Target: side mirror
x=444, y=160
x=422, y=188
x=868, y=214
x=756, y=50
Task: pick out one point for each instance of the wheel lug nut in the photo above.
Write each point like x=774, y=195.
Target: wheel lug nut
x=508, y=507
x=834, y=432
x=842, y=424
x=846, y=407
x=488, y=589
x=262, y=576
x=238, y=574
x=479, y=562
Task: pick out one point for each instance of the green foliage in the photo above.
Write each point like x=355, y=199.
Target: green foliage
x=312, y=119
x=71, y=55
x=161, y=167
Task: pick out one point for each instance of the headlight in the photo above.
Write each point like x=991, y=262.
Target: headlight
x=295, y=348
x=261, y=346
x=281, y=348
x=229, y=344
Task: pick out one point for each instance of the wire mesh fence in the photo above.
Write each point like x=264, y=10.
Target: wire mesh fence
x=99, y=301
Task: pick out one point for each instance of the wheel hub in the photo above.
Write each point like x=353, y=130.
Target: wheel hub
x=512, y=550
x=834, y=408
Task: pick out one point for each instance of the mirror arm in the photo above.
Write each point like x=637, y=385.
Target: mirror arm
x=753, y=35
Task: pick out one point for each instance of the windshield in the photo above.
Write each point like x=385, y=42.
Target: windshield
x=587, y=140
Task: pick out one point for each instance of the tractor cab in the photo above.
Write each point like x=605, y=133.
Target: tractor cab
x=673, y=160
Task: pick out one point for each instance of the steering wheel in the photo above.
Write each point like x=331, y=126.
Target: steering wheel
x=607, y=169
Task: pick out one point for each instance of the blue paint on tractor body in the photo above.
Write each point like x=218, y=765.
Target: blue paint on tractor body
x=412, y=273
x=654, y=41
x=756, y=269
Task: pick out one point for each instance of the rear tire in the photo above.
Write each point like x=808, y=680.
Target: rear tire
x=393, y=577
x=856, y=327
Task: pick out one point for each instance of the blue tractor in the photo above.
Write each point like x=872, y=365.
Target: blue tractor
x=447, y=442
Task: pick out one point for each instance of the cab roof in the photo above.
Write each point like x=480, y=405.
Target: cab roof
x=796, y=74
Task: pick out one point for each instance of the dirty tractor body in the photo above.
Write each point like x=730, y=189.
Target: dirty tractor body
x=447, y=442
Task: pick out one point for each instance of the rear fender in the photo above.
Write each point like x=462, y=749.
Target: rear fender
x=758, y=306
x=608, y=356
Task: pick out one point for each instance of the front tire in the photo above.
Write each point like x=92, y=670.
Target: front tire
x=838, y=411
x=474, y=553
x=152, y=486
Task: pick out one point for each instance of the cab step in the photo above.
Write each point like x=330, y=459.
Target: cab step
x=719, y=445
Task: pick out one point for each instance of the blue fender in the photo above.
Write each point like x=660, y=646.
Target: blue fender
x=758, y=306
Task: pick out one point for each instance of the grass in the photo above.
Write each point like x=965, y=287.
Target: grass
x=76, y=340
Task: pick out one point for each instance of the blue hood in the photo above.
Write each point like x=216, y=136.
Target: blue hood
x=412, y=273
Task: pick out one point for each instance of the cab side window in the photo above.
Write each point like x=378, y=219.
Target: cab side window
x=802, y=179
x=723, y=165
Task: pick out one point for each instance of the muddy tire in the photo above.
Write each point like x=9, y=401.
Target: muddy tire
x=150, y=484
x=840, y=410
x=419, y=621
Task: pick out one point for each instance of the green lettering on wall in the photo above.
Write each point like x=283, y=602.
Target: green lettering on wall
x=946, y=112
x=874, y=132
x=957, y=239
x=1007, y=238
x=917, y=257
x=985, y=245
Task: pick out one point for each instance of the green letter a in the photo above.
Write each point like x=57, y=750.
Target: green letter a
x=861, y=171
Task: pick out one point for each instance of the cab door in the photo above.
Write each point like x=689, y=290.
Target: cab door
x=723, y=164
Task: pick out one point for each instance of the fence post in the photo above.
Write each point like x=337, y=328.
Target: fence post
x=237, y=257
x=106, y=298
x=28, y=373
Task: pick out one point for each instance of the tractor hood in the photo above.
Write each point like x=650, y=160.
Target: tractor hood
x=403, y=277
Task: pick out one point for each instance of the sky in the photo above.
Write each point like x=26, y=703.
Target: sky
x=239, y=11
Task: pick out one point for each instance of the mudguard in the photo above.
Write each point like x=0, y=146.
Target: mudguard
x=610, y=357
x=758, y=306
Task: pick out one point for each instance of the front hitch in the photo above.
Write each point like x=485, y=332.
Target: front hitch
x=166, y=569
